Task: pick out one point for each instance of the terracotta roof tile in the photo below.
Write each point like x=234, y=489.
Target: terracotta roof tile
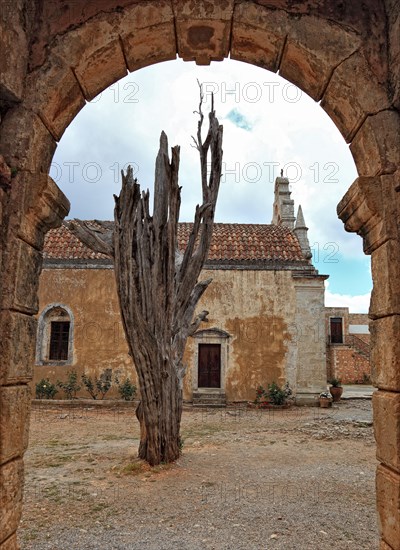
x=231, y=241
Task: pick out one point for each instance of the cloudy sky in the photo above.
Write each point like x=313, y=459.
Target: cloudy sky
x=269, y=124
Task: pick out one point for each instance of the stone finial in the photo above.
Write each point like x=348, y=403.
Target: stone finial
x=300, y=231
x=283, y=208
x=300, y=223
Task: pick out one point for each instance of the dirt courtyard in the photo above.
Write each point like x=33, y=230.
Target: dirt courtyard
x=292, y=479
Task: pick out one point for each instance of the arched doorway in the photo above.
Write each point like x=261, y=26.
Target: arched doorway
x=67, y=54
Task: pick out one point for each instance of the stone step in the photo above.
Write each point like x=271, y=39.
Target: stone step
x=209, y=399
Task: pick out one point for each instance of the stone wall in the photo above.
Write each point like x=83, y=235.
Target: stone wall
x=348, y=365
x=349, y=361
x=270, y=328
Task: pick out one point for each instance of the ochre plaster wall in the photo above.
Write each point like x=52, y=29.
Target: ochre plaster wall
x=257, y=309
x=99, y=341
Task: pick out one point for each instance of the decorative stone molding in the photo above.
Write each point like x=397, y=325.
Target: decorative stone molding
x=203, y=30
x=361, y=212
x=212, y=335
x=37, y=205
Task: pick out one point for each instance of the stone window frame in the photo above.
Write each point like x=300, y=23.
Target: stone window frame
x=210, y=336
x=43, y=336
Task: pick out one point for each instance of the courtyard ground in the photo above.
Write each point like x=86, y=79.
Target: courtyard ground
x=293, y=479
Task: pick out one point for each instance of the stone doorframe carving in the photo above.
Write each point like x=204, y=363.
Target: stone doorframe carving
x=52, y=61
x=210, y=336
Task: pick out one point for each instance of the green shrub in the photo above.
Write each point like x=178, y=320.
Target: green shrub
x=275, y=395
x=127, y=390
x=45, y=389
x=278, y=395
x=70, y=387
x=99, y=385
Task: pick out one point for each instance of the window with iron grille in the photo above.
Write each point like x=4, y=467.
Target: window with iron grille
x=59, y=340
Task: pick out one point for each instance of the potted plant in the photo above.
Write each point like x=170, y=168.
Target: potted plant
x=325, y=399
x=335, y=389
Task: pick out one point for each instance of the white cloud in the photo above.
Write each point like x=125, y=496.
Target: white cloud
x=285, y=126
x=356, y=304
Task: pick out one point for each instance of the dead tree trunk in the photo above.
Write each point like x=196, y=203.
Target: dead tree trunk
x=158, y=286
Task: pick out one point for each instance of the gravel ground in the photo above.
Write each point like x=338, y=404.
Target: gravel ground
x=297, y=479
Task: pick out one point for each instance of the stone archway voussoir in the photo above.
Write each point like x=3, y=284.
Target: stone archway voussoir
x=305, y=50
x=54, y=93
x=375, y=147
x=313, y=49
x=26, y=143
x=203, y=30
x=352, y=94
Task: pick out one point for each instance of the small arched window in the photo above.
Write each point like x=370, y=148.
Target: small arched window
x=55, y=336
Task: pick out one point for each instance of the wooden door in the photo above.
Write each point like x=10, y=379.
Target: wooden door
x=336, y=330
x=209, y=366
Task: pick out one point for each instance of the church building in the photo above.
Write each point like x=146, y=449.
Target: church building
x=266, y=319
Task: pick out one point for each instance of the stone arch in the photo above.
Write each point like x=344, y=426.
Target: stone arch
x=62, y=54
x=55, y=311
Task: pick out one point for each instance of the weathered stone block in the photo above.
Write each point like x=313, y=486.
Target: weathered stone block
x=11, y=482
x=10, y=544
x=258, y=35
x=94, y=52
x=386, y=407
x=385, y=352
x=391, y=203
x=5, y=174
x=14, y=421
x=17, y=347
x=375, y=147
x=150, y=45
x=13, y=50
x=26, y=143
x=20, y=283
x=394, y=55
x=313, y=49
x=385, y=264
x=37, y=204
x=388, y=503
x=101, y=69
x=352, y=94
x=53, y=92
x=148, y=34
x=203, y=30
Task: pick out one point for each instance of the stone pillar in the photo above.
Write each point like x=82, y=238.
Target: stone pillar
x=31, y=204
x=311, y=345
x=371, y=208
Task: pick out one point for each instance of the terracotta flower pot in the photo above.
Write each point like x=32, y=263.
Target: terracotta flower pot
x=336, y=392
x=325, y=402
